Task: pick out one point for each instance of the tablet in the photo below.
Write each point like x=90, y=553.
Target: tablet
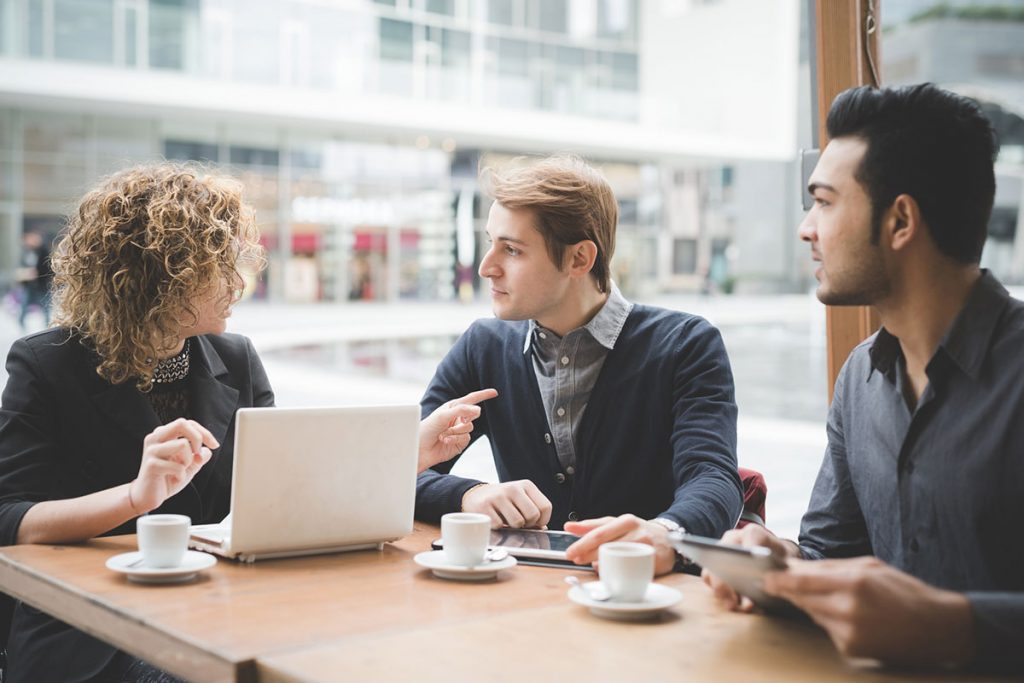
x=533, y=546
x=740, y=567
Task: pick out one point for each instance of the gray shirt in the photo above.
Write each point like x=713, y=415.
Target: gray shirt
x=935, y=491
x=567, y=368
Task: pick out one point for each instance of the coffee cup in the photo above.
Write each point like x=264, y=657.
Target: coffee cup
x=163, y=539
x=465, y=536
x=626, y=569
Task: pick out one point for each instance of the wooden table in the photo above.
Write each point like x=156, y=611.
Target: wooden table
x=694, y=642
x=376, y=615
x=214, y=628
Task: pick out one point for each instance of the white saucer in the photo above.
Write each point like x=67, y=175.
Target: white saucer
x=193, y=563
x=435, y=561
x=657, y=599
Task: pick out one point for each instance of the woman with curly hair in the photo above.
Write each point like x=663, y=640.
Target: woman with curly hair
x=125, y=407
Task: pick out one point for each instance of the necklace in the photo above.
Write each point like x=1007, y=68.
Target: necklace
x=174, y=368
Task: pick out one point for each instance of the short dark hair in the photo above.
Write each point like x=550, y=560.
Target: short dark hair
x=934, y=145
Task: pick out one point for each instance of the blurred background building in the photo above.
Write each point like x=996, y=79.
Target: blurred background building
x=358, y=126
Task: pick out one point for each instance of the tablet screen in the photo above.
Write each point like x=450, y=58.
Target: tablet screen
x=535, y=539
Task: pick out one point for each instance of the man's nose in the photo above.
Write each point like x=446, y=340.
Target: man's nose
x=807, y=230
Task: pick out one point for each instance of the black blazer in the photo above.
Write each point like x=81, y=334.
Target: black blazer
x=66, y=432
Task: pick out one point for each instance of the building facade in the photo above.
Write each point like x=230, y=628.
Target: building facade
x=358, y=126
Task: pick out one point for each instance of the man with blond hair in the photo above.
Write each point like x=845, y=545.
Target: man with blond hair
x=615, y=413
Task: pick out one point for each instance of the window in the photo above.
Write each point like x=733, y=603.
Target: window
x=184, y=150
x=253, y=156
x=83, y=31
x=504, y=12
x=396, y=40
x=169, y=23
x=552, y=16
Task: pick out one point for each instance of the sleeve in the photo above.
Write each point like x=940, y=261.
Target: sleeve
x=438, y=492
x=262, y=393
x=708, y=497
x=29, y=466
x=834, y=526
x=998, y=629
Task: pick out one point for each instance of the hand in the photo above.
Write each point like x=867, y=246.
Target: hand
x=445, y=432
x=518, y=504
x=870, y=609
x=596, y=532
x=749, y=536
x=171, y=456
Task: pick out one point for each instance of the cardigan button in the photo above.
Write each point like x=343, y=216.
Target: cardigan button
x=570, y=470
x=547, y=438
x=560, y=478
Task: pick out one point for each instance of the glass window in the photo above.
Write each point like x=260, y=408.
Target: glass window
x=552, y=15
x=441, y=7
x=503, y=11
x=186, y=150
x=455, y=48
x=395, y=40
x=622, y=70
x=34, y=39
x=617, y=19
x=169, y=24
x=253, y=156
x=131, y=18
x=83, y=30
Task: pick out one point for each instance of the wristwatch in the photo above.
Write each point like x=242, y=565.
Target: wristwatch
x=674, y=530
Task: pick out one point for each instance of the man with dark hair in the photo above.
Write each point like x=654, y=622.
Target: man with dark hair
x=604, y=408
x=913, y=518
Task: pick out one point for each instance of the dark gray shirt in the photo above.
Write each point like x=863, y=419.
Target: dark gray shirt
x=567, y=368
x=935, y=491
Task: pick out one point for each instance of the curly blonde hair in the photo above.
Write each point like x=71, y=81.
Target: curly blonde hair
x=143, y=249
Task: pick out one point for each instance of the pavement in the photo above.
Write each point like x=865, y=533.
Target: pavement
x=338, y=354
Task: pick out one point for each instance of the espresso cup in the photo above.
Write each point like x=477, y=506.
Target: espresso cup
x=465, y=536
x=163, y=539
x=626, y=569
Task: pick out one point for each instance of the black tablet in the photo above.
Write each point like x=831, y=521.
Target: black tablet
x=533, y=546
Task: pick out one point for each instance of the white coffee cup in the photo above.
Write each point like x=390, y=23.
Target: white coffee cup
x=465, y=536
x=163, y=539
x=626, y=569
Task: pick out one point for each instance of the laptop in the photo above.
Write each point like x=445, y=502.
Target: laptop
x=317, y=480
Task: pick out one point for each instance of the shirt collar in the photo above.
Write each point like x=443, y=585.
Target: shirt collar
x=968, y=339
x=604, y=327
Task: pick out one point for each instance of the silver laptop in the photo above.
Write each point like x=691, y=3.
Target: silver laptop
x=317, y=480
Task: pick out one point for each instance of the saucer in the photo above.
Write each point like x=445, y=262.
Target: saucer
x=657, y=599
x=435, y=561
x=193, y=563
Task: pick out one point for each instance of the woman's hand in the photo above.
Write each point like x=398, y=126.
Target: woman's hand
x=445, y=432
x=171, y=456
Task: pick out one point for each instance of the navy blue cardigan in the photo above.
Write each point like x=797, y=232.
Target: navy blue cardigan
x=658, y=438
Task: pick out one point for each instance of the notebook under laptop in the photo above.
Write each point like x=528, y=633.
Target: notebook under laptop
x=317, y=480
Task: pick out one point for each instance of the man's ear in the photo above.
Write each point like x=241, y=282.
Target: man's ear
x=581, y=257
x=902, y=223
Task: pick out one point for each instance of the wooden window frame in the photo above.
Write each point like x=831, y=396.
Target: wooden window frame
x=846, y=55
